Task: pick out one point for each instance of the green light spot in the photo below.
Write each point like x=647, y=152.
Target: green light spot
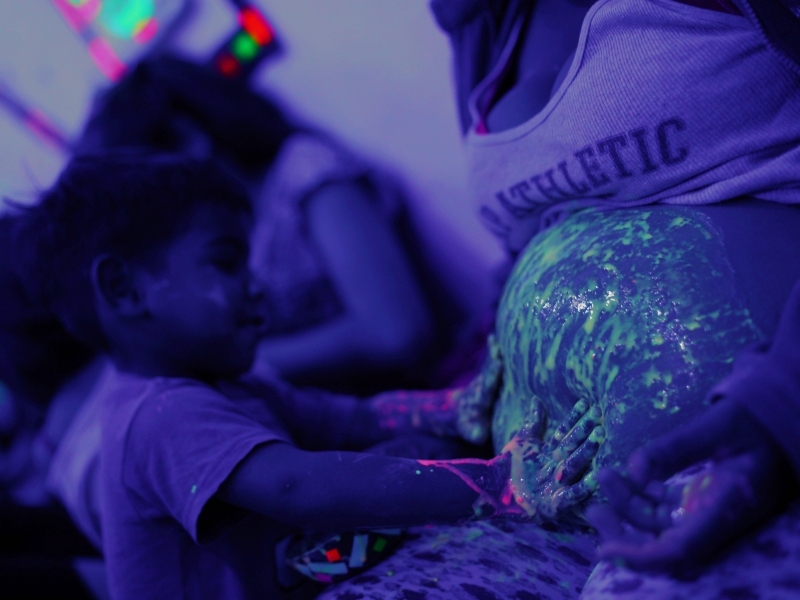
x=379, y=545
x=418, y=472
x=121, y=18
x=194, y=489
x=244, y=47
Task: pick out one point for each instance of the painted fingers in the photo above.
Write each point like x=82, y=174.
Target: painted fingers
x=552, y=477
x=474, y=402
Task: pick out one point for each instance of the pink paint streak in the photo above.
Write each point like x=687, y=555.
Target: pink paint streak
x=106, y=59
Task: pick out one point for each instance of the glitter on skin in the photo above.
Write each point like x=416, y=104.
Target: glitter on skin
x=633, y=311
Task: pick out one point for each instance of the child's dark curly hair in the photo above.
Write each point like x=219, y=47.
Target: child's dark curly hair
x=125, y=202
x=154, y=103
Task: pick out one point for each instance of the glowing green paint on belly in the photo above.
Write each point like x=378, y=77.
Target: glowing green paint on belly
x=633, y=310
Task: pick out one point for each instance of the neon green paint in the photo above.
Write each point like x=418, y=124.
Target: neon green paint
x=651, y=376
x=550, y=363
x=634, y=328
x=122, y=18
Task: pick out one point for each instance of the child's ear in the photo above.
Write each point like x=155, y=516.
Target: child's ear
x=114, y=280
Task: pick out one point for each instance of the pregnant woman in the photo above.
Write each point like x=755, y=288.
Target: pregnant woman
x=641, y=160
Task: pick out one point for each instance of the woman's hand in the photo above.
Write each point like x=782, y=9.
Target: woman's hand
x=549, y=477
x=475, y=401
x=650, y=526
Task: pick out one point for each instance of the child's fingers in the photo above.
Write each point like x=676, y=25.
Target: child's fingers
x=534, y=425
x=578, y=492
x=569, y=470
x=579, y=433
x=574, y=416
x=476, y=400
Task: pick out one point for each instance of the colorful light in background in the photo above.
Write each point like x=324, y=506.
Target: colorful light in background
x=254, y=40
x=129, y=19
x=99, y=22
x=33, y=119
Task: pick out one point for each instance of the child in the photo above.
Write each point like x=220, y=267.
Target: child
x=351, y=303
x=146, y=258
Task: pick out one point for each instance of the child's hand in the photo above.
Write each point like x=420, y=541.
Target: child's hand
x=474, y=402
x=549, y=477
x=674, y=527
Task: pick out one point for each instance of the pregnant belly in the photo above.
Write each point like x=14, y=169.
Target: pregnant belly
x=634, y=310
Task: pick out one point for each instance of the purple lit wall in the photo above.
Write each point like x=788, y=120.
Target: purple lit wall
x=374, y=73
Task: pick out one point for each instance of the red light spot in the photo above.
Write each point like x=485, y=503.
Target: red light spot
x=333, y=555
x=228, y=65
x=256, y=25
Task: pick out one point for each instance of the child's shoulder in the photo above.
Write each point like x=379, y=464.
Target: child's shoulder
x=129, y=388
x=154, y=403
x=168, y=407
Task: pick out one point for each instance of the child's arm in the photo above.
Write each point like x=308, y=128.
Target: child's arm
x=325, y=421
x=462, y=412
x=342, y=490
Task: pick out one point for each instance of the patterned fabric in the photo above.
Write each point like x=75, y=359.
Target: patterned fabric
x=488, y=560
x=330, y=558
x=501, y=560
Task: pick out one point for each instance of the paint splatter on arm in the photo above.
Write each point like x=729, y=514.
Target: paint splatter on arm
x=532, y=478
x=462, y=412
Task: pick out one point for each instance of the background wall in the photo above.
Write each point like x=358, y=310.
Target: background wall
x=374, y=72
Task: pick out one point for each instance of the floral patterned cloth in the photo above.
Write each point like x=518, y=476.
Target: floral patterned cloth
x=488, y=560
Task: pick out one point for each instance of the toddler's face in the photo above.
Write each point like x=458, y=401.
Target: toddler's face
x=202, y=299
